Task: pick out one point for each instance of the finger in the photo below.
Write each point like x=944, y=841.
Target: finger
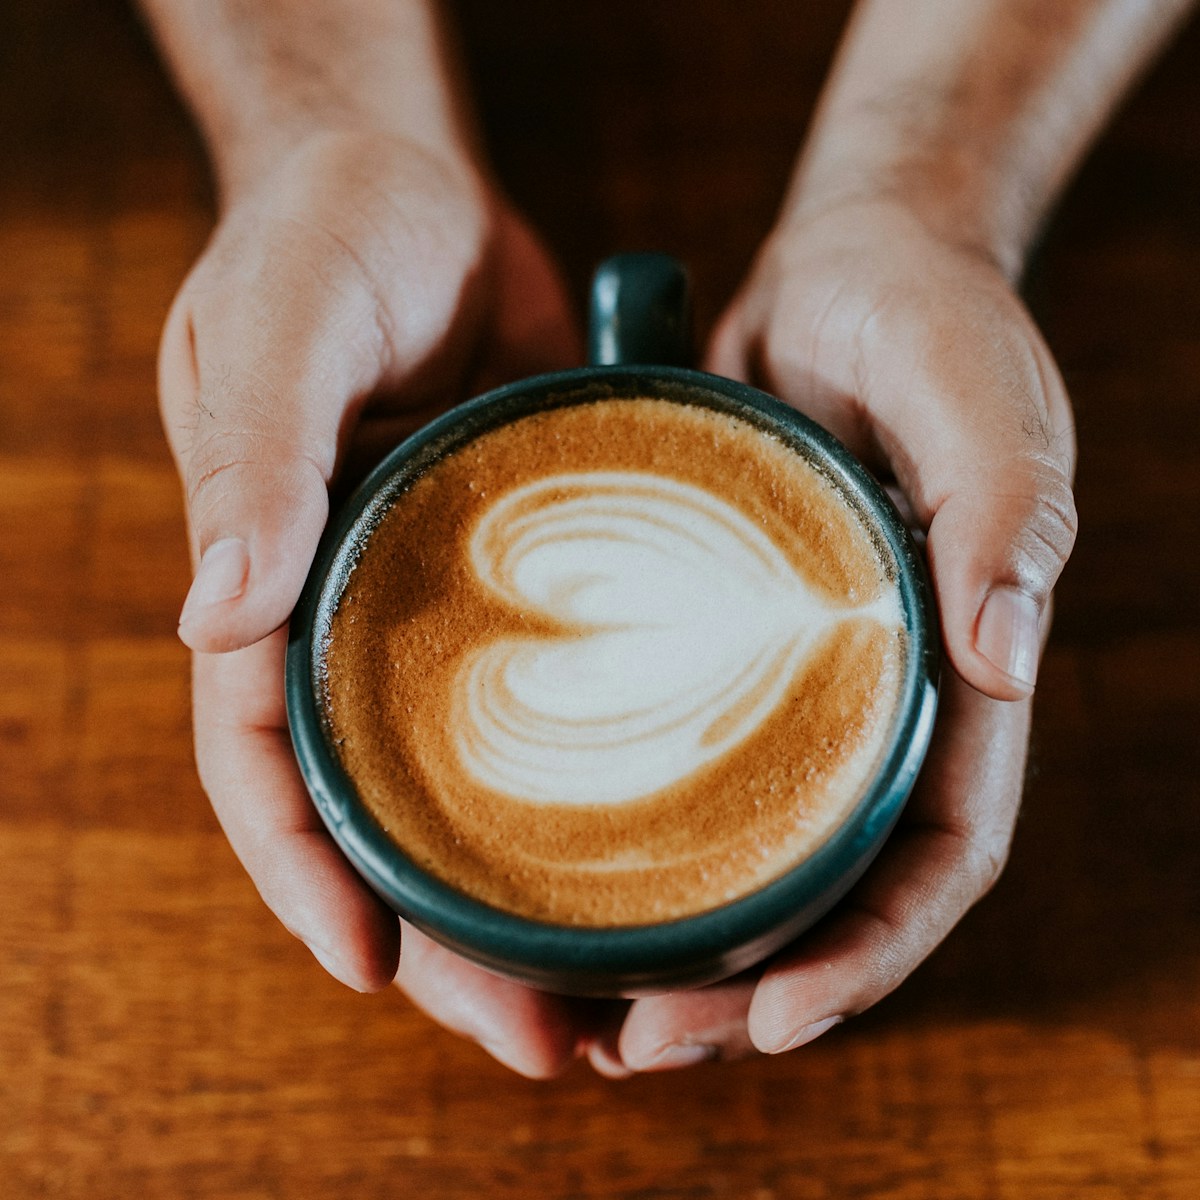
x=249, y=771
x=995, y=555
x=602, y=1042
x=531, y=1032
x=981, y=437
x=727, y=352
x=606, y=1060
x=683, y=1029
x=268, y=348
x=947, y=852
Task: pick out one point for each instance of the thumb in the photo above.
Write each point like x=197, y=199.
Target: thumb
x=253, y=418
x=1001, y=525
x=256, y=522
x=996, y=550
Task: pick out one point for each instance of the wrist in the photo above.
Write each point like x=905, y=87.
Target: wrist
x=972, y=116
x=267, y=79
x=245, y=161
x=952, y=194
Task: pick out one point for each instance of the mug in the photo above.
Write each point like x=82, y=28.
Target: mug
x=638, y=347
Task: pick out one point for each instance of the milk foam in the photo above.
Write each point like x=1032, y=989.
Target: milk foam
x=679, y=627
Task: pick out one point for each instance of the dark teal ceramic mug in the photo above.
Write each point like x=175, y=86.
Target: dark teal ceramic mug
x=639, y=343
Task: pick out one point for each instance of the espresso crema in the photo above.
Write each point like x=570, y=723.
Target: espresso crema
x=615, y=663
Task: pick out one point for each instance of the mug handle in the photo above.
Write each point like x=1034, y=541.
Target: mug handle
x=641, y=310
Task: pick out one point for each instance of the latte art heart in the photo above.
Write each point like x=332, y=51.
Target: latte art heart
x=678, y=628
x=615, y=662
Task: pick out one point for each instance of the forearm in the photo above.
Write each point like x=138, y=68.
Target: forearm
x=262, y=76
x=973, y=113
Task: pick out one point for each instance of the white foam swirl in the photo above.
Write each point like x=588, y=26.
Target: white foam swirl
x=683, y=628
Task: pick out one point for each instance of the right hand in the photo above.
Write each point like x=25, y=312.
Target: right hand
x=917, y=354
x=344, y=299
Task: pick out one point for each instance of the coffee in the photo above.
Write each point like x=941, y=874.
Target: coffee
x=615, y=663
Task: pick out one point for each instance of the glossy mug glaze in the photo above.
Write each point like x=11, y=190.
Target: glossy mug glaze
x=615, y=680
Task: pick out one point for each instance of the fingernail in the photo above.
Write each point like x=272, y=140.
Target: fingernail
x=1007, y=634
x=221, y=577
x=334, y=964
x=604, y=1064
x=506, y=1055
x=809, y=1033
x=674, y=1058
x=604, y=1056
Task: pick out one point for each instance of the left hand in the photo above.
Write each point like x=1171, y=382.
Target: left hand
x=361, y=285
x=918, y=355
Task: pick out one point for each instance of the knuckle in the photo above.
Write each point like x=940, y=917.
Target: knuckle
x=1057, y=519
x=220, y=453
x=977, y=856
x=888, y=947
x=986, y=860
x=1049, y=532
x=213, y=454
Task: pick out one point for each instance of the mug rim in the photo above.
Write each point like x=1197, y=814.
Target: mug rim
x=687, y=950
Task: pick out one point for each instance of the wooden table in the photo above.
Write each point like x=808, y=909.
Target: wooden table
x=162, y=1036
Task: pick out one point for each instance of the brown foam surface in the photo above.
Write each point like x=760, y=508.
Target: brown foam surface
x=413, y=610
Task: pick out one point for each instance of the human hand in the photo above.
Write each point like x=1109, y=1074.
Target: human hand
x=356, y=289
x=917, y=354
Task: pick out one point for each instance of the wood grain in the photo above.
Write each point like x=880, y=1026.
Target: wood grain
x=161, y=1036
